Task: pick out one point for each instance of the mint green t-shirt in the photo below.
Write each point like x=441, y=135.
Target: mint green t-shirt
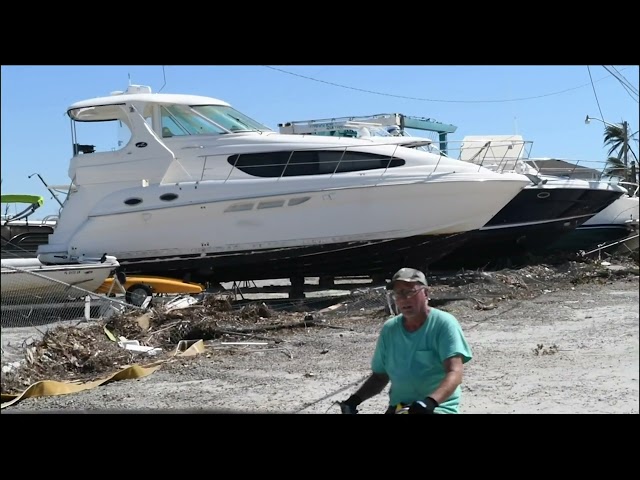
x=413, y=360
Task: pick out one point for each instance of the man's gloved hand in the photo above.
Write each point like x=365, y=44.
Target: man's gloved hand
x=423, y=407
x=349, y=406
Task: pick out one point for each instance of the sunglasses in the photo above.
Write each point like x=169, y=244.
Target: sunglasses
x=405, y=294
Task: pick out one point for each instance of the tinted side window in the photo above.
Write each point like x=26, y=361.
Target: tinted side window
x=310, y=162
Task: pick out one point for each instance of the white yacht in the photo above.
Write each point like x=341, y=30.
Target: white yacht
x=198, y=190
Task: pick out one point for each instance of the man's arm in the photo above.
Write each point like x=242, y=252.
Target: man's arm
x=453, y=368
x=372, y=386
x=453, y=378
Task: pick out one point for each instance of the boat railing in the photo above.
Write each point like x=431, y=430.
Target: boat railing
x=50, y=219
x=25, y=243
x=281, y=169
x=572, y=169
x=500, y=155
x=515, y=155
x=631, y=187
x=589, y=170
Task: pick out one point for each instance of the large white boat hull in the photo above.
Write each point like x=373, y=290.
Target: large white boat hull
x=384, y=217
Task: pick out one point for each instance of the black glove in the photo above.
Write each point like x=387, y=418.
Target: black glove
x=349, y=406
x=423, y=407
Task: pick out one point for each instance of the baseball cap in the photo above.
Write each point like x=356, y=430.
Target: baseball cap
x=407, y=274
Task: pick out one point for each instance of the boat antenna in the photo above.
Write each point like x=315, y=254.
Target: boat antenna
x=6, y=208
x=48, y=188
x=165, y=79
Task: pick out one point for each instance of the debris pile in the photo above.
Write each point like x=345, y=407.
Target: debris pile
x=90, y=351
x=528, y=281
x=72, y=353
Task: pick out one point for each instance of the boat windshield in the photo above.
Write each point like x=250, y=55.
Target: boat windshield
x=95, y=125
x=181, y=120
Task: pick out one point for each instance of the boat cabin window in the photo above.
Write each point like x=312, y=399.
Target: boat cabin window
x=230, y=118
x=99, y=129
x=95, y=137
x=310, y=162
x=180, y=120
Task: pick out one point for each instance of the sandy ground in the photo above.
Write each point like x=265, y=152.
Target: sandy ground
x=573, y=350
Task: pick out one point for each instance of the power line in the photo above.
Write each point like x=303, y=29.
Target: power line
x=623, y=79
x=427, y=99
x=594, y=92
x=630, y=89
x=633, y=96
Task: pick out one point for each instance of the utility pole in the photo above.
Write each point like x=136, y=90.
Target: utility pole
x=625, y=150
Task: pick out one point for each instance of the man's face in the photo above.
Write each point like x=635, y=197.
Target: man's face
x=409, y=297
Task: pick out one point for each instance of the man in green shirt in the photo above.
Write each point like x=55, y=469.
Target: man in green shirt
x=421, y=352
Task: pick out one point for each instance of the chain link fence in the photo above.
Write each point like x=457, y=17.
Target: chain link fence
x=32, y=303
x=342, y=306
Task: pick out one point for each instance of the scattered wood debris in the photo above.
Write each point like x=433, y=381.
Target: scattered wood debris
x=88, y=351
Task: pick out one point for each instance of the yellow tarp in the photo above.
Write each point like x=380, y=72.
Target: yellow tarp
x=46, y=388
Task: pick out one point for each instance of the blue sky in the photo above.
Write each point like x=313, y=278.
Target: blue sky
x=545, y=104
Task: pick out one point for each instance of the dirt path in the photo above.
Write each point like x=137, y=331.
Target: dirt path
x=565, y=351
x=587, y=361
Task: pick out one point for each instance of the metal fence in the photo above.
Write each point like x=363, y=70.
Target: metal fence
x=33, y=303
x=353, y=303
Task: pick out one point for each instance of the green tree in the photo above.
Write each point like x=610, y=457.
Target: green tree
x=617, y=138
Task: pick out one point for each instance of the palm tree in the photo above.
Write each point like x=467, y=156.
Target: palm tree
x=617, y=138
